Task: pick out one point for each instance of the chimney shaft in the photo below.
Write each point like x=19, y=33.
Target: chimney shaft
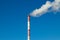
x=28, y=27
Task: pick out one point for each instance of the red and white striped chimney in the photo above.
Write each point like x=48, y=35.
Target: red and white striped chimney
x=28, y=27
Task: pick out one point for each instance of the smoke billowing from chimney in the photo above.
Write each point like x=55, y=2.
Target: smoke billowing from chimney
x=49, y=6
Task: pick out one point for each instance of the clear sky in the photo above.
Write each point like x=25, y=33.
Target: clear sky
x=13, y=21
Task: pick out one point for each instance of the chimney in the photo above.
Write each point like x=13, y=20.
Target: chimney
x=29, y=27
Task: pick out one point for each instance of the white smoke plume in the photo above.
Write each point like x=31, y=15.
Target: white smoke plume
x=55, y=6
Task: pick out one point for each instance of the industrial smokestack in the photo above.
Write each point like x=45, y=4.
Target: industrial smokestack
x=28, y=27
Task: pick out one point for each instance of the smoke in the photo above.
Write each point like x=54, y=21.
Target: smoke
x=49, y=6
x=56, y=5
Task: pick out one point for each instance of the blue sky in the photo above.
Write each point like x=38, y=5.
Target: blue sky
x=13, y=21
